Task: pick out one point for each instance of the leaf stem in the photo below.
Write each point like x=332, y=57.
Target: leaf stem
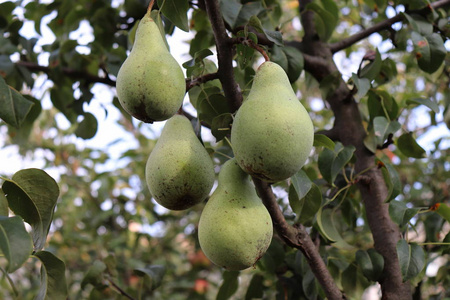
x=11, y=283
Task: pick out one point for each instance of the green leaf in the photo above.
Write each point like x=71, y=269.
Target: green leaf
x=230, y=11
x=443, y=210
x=301, y=183
x=3, y=204
x=229, y=285
x=88, y=127
x=244, y=52
x=419, y=23
x=321, y=140
x=33, y=194
x=305, y=207
x=383, y=128
x=430, y=51
x=212, y=106
x=310, y=285
x=328, y=229
x=392, y=180
x=427, y=102
x=14, y=106
x=411, y=258
x=153, y=275
x=400, y=213
x=176, y=12
x=371, y=70
x=295, y=63
x=343, y=156
x=325, y=19
x=325, y=162
x=53, y=277
x=255, y=288
x=409, y=147
x=249, y=10
x=94, y=275
x=371, y=263
x=221, y=126
x=353, y=282
x=15, y=242
x=362, y=86
x=273, y=36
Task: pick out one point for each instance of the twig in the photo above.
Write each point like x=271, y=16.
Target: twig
x=298, y=238
x=250, y=43
x=385, y=24
x=191, y=82
x=120, y=290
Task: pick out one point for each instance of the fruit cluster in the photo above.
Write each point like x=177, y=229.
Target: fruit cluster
x=271, y=137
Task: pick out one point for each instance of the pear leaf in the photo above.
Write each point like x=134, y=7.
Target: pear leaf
x=229, y=285
x=15, y=242
x=153, y=275
x=14, y=106
x=32, y=194
x=411, y=258
x=53, y=277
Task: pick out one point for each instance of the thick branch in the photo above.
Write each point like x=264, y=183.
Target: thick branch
x=350, y=131
x=383, y=25
x=297, y=237
x=224, y=55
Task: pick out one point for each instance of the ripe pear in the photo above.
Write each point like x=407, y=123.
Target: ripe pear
x=235, y=228
x=150, y=83
x=272, y=133
x=179, y=170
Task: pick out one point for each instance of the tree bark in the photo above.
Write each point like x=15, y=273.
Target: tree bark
x=350, y=131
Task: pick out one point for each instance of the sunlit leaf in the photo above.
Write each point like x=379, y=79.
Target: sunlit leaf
x=32, y=194
x=321, y=140
x=327, y=225
x=15, y=242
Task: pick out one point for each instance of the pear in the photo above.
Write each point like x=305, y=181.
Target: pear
x=179, y=170
x=235, y=228
x=150, y=84
x=272, y=134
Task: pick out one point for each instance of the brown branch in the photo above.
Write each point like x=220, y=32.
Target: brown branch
x=224, y=55
x=191, y=82
x=350, y=131
x=120, y=290
x=298, y=238
x=250, y=43
x=78, y=74
x=383, y=25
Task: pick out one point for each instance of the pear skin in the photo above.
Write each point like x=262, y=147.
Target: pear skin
x=150, y=84
x=179, y=170
x=235, y=228
x=272, y=134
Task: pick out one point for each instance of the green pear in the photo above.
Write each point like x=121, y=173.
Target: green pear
x=235, y=228
x=272, y=134
x=179, y=170
x=150, y=84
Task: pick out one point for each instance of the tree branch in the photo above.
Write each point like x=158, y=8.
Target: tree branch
x=224, y=55
x=298, y=238
x=383, y=25
x=34, y=67
x=191, y=82
x=350, y=131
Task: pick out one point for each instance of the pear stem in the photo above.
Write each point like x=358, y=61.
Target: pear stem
x=150, y=6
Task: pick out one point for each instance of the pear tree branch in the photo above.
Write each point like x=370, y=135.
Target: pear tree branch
x=383, y=25
x=297, y=237
x=224, y=46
